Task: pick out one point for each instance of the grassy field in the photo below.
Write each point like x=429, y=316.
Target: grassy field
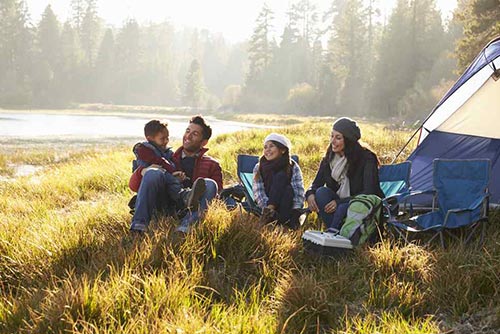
x=69, y=265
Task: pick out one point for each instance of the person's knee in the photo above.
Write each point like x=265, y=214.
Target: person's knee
x=152, y=176
x=211, y=188
x=323, y=196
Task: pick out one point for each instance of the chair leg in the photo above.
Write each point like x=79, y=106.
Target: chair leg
x=400, y=234
x=442, y=239
x=440, y=234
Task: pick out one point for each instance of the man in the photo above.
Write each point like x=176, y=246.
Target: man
x=193, y=168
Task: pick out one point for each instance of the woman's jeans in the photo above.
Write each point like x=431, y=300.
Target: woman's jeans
x=325, y=195
x=281, y=196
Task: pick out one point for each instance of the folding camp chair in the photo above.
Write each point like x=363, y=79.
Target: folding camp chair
x=395, y=183
x=460, y=200
x=246, y=164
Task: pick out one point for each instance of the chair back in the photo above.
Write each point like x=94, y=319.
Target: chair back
x=246, y=164
x=461, y=184
x=395, y=178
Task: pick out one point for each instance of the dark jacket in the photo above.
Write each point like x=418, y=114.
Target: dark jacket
x=364, y=179
x=204, y=166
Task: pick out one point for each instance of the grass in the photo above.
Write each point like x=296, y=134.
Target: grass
x=69, y=265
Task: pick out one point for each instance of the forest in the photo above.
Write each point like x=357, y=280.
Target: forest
x=348, y=60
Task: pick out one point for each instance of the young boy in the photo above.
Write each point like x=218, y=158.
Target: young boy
x=154, y=154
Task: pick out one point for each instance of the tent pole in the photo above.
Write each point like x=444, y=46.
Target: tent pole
x=404, y=146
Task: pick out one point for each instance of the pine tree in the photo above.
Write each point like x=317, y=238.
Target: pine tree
x=347, y=55
x=16, y=53
x=481, y=23
x=105, y=67
x=48, y=60
x=128, y=63
x=194, y=87
x=409, y=48
x=70, y=88
x=260, y=51
x=89, y=31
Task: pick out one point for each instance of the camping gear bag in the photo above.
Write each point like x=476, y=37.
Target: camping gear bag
x=362, y=220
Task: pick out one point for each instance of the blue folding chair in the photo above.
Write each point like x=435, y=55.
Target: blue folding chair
x=460, y=200
x=246, y=164
x=395, y=183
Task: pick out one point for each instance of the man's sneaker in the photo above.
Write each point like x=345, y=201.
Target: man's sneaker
x=191, y=197
x=183, y=228
x=268, y=215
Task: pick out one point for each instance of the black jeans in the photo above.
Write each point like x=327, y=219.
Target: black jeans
x=281, y=196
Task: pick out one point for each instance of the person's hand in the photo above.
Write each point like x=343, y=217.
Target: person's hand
x=330, y=207
x=311, y=203
x=180, y=175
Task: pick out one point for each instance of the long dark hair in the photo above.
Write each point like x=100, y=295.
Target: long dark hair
x=285, y=163
x=353, y=151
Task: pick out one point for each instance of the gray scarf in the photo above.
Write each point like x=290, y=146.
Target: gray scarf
x=339, y=173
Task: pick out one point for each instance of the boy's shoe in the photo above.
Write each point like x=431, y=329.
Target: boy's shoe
x=191, y=197
x=268, y=215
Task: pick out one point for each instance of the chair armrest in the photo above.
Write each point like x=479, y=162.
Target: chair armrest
x=421, y=192
x=478, y=202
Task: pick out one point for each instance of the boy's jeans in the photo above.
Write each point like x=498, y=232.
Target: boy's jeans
x=156, y=187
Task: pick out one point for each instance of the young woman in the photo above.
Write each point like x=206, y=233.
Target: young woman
x=278, y=187
x=347, y=169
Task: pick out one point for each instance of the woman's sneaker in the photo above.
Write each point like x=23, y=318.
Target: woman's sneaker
x=268, y=216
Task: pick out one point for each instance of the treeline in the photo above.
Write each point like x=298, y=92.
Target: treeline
x=397, y=67
x=53, y=64
x=348, y=60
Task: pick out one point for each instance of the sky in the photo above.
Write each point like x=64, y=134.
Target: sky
x=235, y=19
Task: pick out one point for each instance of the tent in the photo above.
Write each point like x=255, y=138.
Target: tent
x=465, y=124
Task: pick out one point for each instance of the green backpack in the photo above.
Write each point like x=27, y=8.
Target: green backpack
x=363, y=216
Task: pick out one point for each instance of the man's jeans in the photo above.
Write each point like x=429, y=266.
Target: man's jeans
x=324, y=195
x=158, y=187
x=211, y=190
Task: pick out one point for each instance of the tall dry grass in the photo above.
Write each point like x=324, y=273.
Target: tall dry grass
x=69, y=265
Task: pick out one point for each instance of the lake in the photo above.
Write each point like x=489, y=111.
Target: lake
x=49, y=127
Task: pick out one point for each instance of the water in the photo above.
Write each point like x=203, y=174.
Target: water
x=48, y=127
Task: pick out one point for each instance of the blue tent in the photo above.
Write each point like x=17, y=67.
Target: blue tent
x=465, y=124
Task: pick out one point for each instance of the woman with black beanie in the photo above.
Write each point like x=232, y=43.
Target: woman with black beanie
x=346, y=170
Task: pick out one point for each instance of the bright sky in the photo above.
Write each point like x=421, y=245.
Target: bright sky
x=235, y=19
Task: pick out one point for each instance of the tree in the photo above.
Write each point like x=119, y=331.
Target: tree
x=409, y=49
x=105, y=67
x=16, y=53
x=128, y=63
x=347, y=54
x=78, y=7
x=481, y=23
x=260, y=50
x=48, y=58
x=69, y=82
x=194, y=88
x=89, y=32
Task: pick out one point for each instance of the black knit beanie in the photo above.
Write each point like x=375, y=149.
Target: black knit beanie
x=348, y=128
